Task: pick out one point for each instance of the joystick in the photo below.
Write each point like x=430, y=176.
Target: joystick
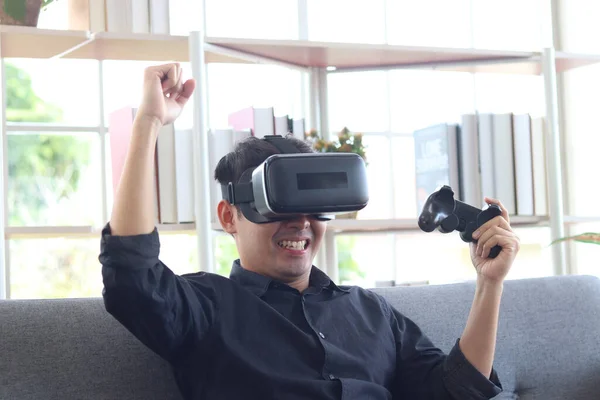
x=443, y=212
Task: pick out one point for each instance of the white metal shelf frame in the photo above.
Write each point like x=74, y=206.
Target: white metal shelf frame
x=197, y=44
x=4, y=253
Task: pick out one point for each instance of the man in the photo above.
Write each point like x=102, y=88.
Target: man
x=279, y=328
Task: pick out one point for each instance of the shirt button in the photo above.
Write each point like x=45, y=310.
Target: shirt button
x=321, y=334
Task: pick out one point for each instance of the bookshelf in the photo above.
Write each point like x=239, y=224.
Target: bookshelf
x=317, y=59
x=28, y=42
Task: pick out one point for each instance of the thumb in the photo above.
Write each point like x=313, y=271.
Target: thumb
x=186, y=92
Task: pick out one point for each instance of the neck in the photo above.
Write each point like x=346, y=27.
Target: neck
x=300, y=284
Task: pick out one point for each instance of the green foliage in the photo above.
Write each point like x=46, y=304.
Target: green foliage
x=346, y=142
x=349, y=270
x=18, y=8
x=43, y=169
x=225, y=253
x=15, y=9
x=587, y=237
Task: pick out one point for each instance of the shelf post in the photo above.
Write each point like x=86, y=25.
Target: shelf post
x=553, y=151
x=200, y=154
x=319, y=119
x=4, y=256
x=313, y=122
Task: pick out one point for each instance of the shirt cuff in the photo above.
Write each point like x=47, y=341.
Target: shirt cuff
x=465, y=381
x=134, y=251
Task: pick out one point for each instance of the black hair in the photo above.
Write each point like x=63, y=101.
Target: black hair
x=250, y=153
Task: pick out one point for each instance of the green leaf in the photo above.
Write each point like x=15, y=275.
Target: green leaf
x=586, y=237
x=16, y=9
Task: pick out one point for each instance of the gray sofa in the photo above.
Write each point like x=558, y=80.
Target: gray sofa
x=548, y=344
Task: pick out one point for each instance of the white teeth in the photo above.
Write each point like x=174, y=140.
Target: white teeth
x=293, y=244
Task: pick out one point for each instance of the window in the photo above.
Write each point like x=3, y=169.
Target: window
x=366, y=259
x=225, y=253
x=60, y=91
x=55, y=16
x=379, y=178
x=358, y=101
x=54, y=268
x=419, y=98
x=439, y=258
x=500, y=93
x=585, y=255
x=52, y=175
x=53, y=179
x=403, y=172
x=262, y=19
x=179, y=252
x=582, y=86
x=346, y=21
x=232, y=87
x=433, y=23
x=579, y=26
x=489, y=19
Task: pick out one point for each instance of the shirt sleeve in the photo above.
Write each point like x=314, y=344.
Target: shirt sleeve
x=426, y=372
x=166, y=312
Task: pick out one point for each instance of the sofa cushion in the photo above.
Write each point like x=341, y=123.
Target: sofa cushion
x=73, y=349
x=548, y=344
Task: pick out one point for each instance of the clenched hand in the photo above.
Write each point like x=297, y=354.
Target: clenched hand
x=164, y=93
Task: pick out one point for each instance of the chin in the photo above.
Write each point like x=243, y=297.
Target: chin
x=295, y=269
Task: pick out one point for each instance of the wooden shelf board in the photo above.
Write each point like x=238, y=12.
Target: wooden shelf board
x=525, y=67
x=566, y=61
x=355, y=55
x=30, y=42
x=27, y=42
x=571, y=219
x=187, y=228
x=139, y=46
x=44, y=232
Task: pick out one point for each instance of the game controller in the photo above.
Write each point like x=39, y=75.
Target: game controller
x=443, y=212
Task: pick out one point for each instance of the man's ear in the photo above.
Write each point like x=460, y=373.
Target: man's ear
x=227, y=216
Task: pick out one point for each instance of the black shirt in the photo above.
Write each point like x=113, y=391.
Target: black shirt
x=250, y=337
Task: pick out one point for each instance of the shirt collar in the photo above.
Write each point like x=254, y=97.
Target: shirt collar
x=259, y=284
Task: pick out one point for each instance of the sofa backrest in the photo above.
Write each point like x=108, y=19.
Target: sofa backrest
x=71, y=349
x=548, y=343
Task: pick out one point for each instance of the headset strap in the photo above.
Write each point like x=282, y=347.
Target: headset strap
x=283, y=145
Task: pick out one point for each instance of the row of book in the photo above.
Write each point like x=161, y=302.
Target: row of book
x=173, y=166
x=123, y=16
x=501, y=156
x=174, y=172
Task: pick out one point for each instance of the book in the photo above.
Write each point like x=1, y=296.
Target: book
x=436, y=161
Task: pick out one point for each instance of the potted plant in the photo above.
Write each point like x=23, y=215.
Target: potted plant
x=346, y=142
x=22, y=12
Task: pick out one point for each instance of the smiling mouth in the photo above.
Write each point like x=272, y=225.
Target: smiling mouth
x=294, y=244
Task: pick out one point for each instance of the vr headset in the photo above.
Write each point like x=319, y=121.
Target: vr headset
x=290, y=184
